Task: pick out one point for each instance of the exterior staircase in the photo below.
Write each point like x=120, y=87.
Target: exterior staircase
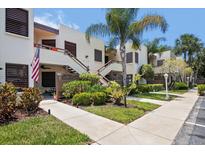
x=58, y=56
x=110, y=66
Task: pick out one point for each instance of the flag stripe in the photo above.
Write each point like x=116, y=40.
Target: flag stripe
x=36, y=65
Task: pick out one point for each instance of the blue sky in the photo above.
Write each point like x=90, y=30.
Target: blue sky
x=180, y=20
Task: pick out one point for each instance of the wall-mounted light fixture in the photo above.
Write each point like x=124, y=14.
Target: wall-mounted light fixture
x=1, y=68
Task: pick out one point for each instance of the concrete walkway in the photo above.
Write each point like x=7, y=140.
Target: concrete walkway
x=157, y=127
x=146, y=100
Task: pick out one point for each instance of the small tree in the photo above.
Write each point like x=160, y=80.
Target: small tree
x=147, y=72
x=175, y=68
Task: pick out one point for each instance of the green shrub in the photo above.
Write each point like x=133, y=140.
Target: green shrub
x=96, y=88
x=201, y=89
x=84, y=99
x=180, y=86
x=93, y=78
x=30, y=100
x=74, y=87
x=145, y=88
x=115, y=91
x=98, y=98
x=8, y=103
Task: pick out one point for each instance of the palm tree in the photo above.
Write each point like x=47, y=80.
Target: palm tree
x=122, y=26
x=154, y=47
x=188, y=45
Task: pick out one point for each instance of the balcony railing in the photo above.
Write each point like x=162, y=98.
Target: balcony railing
x=64, y=51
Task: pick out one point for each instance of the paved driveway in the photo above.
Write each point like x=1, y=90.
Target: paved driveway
x=193, y=130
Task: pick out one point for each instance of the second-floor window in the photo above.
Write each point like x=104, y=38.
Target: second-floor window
x=17, y=21
x=136, y=57
x=129, y=57
x=71, y=47
x=98, y=55
x=49, y=42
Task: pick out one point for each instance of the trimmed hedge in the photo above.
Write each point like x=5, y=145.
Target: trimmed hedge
x=145, y=88
x=201, y=89
x=86, y=98
x=83, y=99
x=75, y=87
x=98, y=98
x=93, y=78
x=180, y=86
x=96, y=88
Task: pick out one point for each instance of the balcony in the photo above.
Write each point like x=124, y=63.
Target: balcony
x=57, y=56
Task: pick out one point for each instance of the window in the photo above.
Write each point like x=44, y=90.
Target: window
x=136, y=57
x=129, y=58
x=50, y=42
x=160, y=62
x=17, y=21
x=17, y=74
x=98, y=55
x=48, y=79
x=71, y=47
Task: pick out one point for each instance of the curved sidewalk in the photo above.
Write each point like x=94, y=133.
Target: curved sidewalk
x=157, y=127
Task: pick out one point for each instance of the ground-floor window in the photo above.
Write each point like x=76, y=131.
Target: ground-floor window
x=48, y=79
x=17, y=74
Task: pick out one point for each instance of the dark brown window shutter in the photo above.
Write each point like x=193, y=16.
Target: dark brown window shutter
x=136, y=57
x=98, y=55
x=71, y=47
x=17, y=21
x=17, y=74
x=49, y=42
x=129, y=57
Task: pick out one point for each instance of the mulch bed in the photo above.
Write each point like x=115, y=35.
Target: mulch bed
x=21, y=115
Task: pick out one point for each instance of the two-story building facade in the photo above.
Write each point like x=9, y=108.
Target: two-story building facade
x=64, y=53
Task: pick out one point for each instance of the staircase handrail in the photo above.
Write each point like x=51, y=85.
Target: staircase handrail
x=65, y=51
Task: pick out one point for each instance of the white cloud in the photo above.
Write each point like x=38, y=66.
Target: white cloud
x=54, y=19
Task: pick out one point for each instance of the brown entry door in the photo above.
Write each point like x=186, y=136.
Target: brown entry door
x=17, y=74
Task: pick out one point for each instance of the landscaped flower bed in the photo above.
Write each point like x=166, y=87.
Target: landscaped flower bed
x=23, y=122
x=89, y=95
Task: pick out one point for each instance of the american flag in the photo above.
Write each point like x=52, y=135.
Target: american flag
x=36, y=65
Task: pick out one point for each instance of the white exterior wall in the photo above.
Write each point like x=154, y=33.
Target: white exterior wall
x=83, y=48
x=15, y=48
x=133, y=68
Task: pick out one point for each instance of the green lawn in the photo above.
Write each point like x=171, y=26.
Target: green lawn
x=176, y=91
x=122, y=114
x=161, y=97
x=39, y=131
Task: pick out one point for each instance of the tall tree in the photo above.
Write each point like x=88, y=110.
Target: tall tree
x=188, y=46
x=154, y=47
x=123, y=25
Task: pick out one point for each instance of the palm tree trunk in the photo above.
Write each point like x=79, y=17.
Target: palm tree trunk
x=124, y=71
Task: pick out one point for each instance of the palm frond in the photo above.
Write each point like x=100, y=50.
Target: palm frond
x=97, y=30
x=149, y=22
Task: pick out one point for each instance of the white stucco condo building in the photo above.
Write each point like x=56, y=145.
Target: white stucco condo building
x=16, y=49
x=64, y=53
